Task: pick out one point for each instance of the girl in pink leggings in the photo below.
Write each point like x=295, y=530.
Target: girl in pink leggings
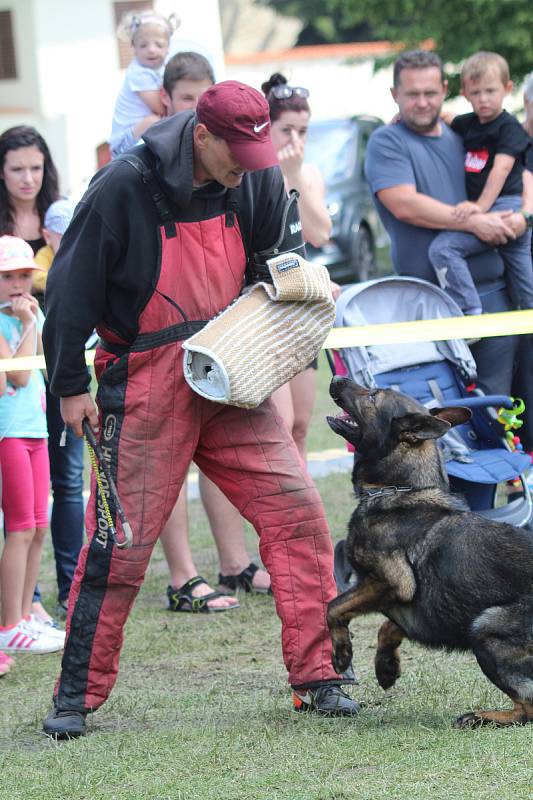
x=23, y=457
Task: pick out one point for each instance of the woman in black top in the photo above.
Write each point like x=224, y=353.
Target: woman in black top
x=29, y=184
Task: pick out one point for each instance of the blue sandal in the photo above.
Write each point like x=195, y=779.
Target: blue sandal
x=182, y=599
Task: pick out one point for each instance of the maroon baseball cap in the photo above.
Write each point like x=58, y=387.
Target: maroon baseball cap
x=239, y=114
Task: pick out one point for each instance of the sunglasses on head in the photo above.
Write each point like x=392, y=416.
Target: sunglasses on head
x=283, y=92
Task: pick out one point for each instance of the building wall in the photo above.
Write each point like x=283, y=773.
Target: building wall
x=68, y=64
x=79, y=76
x=340, y=82
x=22, y=93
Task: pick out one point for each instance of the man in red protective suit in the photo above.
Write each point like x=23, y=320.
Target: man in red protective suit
x=162, y=241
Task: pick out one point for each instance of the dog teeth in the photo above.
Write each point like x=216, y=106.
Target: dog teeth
x=348, y=419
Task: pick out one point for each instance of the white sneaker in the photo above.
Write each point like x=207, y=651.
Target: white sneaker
x=21, y=639
x=40, y=626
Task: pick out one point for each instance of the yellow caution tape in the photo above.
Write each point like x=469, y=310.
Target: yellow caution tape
x=508, y=323
x=34, y=362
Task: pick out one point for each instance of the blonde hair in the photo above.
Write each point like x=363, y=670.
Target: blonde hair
x=131, y=23
x=482, y=62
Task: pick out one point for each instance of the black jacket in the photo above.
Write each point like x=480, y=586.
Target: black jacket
x=106, y=267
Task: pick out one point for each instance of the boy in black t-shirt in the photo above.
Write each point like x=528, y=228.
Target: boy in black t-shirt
x=496, y=150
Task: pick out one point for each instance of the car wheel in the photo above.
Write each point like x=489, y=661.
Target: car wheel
x=362, y=263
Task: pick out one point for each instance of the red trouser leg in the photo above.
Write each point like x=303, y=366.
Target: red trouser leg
x=151, y=426
x=149, y=429
x=252, y=458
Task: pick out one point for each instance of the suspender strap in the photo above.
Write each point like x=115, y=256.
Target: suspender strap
x=151, y=182
x=149, y=341
x=232, y=208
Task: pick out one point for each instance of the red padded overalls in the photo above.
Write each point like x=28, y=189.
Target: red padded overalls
x=152, y=425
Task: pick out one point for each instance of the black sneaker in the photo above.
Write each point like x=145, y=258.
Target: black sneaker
x=65, y=724
x=328, y=699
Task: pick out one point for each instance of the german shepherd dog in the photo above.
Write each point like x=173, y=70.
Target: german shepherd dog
x=442, y=575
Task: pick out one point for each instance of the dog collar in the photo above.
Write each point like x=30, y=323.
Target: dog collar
x=386, y=491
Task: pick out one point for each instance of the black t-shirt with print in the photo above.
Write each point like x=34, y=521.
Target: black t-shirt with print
x=483, y=141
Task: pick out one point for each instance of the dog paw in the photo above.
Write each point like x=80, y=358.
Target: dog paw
x=387, y=669
x=341, y=657
x=469, y=720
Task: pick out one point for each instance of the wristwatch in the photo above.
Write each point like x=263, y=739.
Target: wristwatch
x=528, y=218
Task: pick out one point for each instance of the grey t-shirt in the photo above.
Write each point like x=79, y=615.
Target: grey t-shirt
x=435, y=165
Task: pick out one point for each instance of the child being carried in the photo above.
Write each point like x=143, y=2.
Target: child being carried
x=139, y=103
x=496, y=151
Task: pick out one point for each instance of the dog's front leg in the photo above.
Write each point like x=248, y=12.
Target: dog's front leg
x=364, y=598
x=387, y=660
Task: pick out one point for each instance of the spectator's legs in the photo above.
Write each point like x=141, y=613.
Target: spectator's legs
x=494, y=357
x=303, y=391
x=25, y=478
x=448, y=253
x=519, y=270
x=228, y=531
x=517, y=256
x=519, y=274
x=523, y=387
x=66, y=472
x=13, y=572
x=175, y=542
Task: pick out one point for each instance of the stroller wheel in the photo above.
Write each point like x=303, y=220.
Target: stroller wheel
x=345, y=578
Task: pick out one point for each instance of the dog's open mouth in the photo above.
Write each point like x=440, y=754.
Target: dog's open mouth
x=344, y=425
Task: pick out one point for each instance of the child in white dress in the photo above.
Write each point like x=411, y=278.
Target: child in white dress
x=139, y=102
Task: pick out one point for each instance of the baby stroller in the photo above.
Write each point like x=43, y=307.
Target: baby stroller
x=479, y=457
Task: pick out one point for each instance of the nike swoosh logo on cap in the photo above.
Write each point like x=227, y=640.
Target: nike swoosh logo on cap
x=258, y=128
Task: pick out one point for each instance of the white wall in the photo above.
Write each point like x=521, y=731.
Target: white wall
x=78, y=79
x=22, y=92
x=68, y=63
x=200, y=29
x=337, y=88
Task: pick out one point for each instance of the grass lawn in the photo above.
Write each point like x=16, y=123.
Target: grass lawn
x=201, y=710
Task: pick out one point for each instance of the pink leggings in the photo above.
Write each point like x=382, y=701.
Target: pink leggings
x=25, y=483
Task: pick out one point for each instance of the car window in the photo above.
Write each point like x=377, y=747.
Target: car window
x=332, y=147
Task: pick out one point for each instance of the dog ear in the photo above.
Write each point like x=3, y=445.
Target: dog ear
x=417, y=427
x=455, y=415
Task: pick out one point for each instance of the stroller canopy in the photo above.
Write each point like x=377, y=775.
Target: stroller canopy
x=399, y=299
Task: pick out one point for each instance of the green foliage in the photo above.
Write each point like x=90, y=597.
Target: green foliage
x=457, y=27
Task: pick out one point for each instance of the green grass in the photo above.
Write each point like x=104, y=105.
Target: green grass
x=201, y=711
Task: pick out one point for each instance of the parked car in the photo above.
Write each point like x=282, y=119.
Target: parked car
x=359, y=245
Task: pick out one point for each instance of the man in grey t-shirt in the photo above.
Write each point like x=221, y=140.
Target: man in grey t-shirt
x=415, y=169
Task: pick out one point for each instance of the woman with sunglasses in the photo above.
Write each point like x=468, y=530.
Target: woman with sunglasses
x=289, y=116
